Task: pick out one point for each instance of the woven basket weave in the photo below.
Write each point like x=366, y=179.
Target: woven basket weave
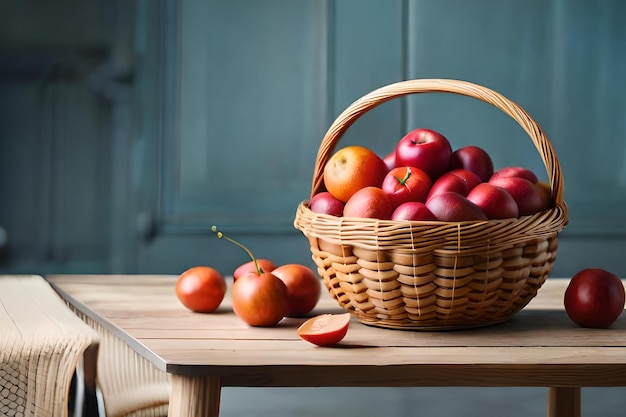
x=431, y=275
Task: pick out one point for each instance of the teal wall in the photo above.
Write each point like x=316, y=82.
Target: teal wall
x=128, y=128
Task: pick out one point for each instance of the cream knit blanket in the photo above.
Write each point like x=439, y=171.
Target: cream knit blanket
x=41, y=342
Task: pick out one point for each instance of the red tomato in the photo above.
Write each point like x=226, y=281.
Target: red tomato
x=325, y=329
x=303, y=287
x=201, y=289
x=260, y=300
x=265, y=264
x=403, y=184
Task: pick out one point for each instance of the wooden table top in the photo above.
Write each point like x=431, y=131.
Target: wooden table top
x=539, y=346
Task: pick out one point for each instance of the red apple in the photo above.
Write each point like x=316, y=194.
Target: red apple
x=404, y=184
x=453, y=207
x=512, y=171
x=390, y=160
x=303, y=288
x=470, y=178
x=326, y=203
x=412, y=210
x=425, y=149
x=594, y=298
x=473, y=158
x=369, y=202
x=457, y=181
x=523, y=192
x=494, y=201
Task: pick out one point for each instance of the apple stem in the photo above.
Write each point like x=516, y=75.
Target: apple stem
x=221, y=235
x=406, y=177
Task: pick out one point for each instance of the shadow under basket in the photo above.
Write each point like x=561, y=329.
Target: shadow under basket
x=432, y=275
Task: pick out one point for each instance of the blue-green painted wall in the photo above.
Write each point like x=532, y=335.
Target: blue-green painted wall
x=128, y=128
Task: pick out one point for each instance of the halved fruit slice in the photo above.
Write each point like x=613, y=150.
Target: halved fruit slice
x=325, y=329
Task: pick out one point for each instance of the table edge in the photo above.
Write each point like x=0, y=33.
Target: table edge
x=133, y=343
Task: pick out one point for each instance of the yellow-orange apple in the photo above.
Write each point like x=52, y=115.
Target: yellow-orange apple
x=351, y=169
x=543, y=188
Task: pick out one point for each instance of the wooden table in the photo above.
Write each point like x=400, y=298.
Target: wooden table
x=539, y=347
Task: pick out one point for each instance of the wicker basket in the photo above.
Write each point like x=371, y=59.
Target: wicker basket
x=431, y=275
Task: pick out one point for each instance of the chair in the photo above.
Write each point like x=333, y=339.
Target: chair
x=129, y=385
x=43, y=345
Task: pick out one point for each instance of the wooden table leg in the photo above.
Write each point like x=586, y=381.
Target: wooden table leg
x=195, y=396
x=564, y=402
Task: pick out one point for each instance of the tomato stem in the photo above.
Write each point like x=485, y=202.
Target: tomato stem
x=221, y=235
x=406, y=177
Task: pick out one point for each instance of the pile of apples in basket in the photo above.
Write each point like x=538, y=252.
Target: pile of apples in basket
x=422, y=179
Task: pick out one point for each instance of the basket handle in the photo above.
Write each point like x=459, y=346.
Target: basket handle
x=402, y=88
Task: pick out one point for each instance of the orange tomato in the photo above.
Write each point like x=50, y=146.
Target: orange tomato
x=303, y=288
x=260, y=300
x=351, y=169
x=201, y=289
x=265, y=264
